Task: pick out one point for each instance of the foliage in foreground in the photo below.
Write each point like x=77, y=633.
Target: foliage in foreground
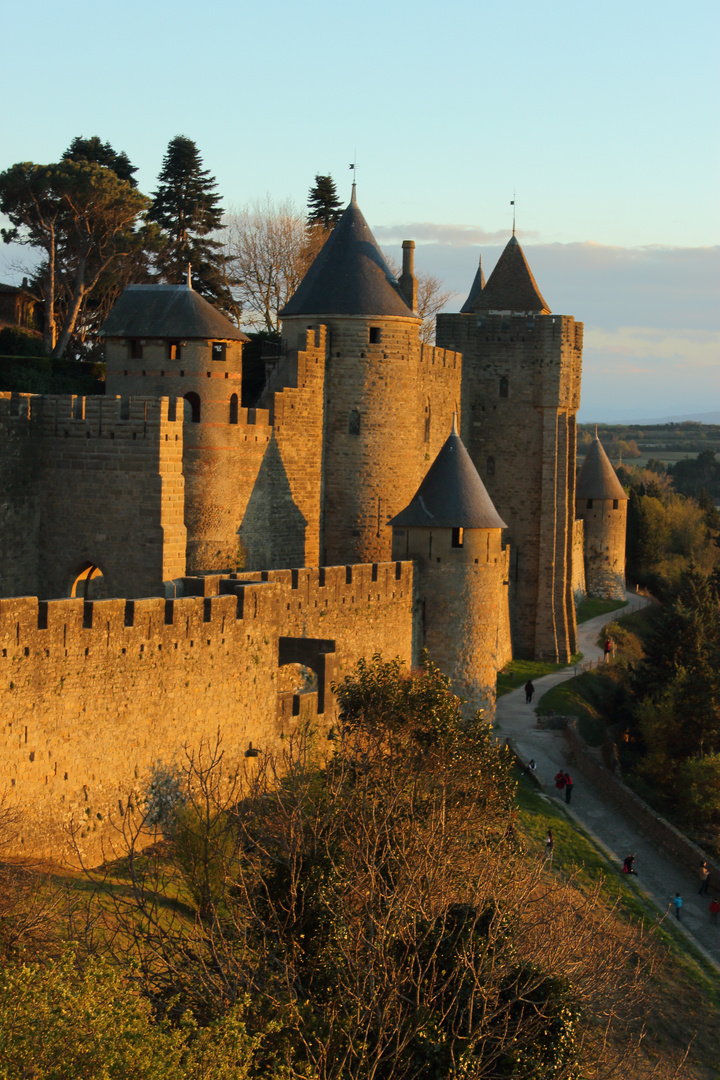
x=377, y=904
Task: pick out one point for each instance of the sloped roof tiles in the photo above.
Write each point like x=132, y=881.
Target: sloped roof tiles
x=349, y=276
x=452, y=495
x=167, y=311
x=511, y=286
x=597, y=478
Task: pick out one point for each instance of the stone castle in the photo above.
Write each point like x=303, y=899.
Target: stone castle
x=177, y=563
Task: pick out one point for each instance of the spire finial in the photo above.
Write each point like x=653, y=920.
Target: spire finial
x=353, y=168
x=512, y=203
x=189, y=276
x=454, y=425
x=596, y=434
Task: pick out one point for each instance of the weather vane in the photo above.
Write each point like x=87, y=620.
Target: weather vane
x=353, y=168
x=512, y=203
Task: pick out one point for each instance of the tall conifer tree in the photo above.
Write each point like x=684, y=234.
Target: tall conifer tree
x=187, y=208
x=324, y=207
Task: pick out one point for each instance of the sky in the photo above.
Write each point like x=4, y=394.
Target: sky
x=601, y=118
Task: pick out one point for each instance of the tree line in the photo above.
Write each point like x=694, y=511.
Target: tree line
x=96, y=233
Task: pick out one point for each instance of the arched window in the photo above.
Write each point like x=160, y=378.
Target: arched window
x=428, y=416
x=503, y=386
x=234, y=409
x=192, y=409
x=354, y=422
x=491, y=466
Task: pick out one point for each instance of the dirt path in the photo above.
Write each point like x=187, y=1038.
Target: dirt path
x=660, y=875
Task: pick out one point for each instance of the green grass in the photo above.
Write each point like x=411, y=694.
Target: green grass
x=590, y=607
x=517, y=672
x=589, y=697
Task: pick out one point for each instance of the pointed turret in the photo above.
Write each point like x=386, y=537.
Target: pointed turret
x=453, y=534
x=602, y=504
x=477, y=287
x=452, y=495
x=349, y=276
x=597, y=478
x=511, y=286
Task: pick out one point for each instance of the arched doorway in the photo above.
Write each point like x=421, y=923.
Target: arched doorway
x=90, y=583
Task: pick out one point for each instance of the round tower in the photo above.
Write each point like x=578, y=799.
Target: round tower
x=168, y=341
x=602, y=503
x=374, y=449
x=453, y=533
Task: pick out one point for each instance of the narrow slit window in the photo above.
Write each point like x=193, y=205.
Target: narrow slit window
x=616, y=504
x=234, y=409
x=354, y=422
x=589, y=504
x=458, y=537
x=173, y=350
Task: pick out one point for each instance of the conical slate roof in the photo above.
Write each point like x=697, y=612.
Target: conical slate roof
x=349, y=275
x=452, y=495
x=597, y=478
x=167, y=311
x=477, y=287
x=511, y=286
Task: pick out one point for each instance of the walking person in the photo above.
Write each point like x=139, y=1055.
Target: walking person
x=560, y=783
x=629, y=865
x=714, y=910
x=678, y=904
x=529, y=691
x=549, y=844
x=704, y=879
x=607, y=649
x=568, y=787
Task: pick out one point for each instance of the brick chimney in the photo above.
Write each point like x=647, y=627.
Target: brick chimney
x=408, y=281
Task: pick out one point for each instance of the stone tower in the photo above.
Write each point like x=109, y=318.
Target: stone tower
x=453, y=533
x=520, y=395
x=388, y=399
x=602, y=504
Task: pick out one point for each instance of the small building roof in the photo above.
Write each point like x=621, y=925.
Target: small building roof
x=349, y=275
x=511, y=286
x=167, y=311
x=452, y=495
x=597, y=478
x=476, y=288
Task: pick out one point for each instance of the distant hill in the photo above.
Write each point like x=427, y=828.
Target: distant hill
x=697, y=418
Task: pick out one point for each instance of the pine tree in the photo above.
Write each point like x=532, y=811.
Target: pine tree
x=187, y=208
x=324, y=207
x=97, y=152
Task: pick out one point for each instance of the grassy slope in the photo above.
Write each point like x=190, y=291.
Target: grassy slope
x=686, y=1007
x=590, y=607
x=517, y=673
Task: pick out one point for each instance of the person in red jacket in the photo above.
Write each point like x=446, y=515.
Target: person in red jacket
x=560, y=782
x=568, y=787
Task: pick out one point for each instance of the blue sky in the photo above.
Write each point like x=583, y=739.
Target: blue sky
x=603, y=118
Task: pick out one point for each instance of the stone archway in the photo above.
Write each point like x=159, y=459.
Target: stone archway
x=89, y=583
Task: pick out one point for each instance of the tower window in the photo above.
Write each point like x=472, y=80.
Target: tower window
x=375, y=336
x=354, y=422
x=491, y=466
x=457, y=538
x=192, y=408
x=234, y=409
x=503, y=386
x=173, y=350
x=135, y=349
x=428, y=415
x=616, y=504
x=218, y=350
x=589, y=504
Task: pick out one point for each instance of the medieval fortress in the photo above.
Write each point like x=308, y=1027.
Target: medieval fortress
x=175, y=563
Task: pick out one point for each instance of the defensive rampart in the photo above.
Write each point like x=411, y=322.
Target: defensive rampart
x=94, y=694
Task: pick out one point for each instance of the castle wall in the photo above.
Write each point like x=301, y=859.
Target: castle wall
x=20, y=462
x=605, y=524
x=105, y=487
x=520, y=394
x=578, y=559
x=253, y=488
x=93, y=695
x=388, y=410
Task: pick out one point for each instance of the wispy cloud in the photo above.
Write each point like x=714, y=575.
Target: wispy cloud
x=427, y=232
